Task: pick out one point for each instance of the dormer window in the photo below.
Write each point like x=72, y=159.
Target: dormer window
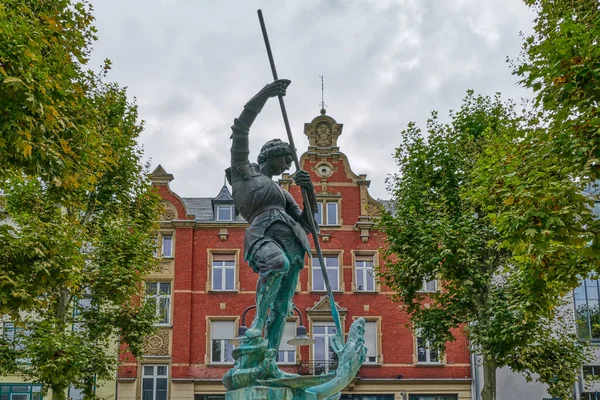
x=224, y=213
x=223, y=207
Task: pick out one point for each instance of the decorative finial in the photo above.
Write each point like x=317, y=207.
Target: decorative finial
x=322, y=97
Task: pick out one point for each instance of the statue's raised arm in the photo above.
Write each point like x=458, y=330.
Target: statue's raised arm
x=240, y=164
x=275, y=241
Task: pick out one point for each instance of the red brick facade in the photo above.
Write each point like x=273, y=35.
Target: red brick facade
x=196, y=236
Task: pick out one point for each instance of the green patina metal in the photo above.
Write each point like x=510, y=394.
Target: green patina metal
x=275, y=245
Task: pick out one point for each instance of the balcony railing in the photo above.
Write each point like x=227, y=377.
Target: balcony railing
x=317, y=367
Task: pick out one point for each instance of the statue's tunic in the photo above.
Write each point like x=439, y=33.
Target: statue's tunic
x=271, y=211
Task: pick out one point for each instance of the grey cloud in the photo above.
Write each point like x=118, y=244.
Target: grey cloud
x=193, y=64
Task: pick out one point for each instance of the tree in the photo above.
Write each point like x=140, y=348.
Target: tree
x=440, y=230
x=536, y=176
x=45, y=128
x=78, y=231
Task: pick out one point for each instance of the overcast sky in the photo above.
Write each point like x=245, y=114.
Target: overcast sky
x=192, y=64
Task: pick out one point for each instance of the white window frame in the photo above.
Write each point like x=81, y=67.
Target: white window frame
x=327, y=335
x=154, y=377
x=287, y=352
x=218, y=261
x=323, y=213
x=426, y=282
x=224, y=343
x=361, y=267
x=166, y=251
x=335, y=284
x=427, y=346
x=223, y=207
x=157, y=297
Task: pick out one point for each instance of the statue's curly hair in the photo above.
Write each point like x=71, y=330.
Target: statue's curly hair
x=273, y=148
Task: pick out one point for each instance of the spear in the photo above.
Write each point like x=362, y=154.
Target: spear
x=313, y=228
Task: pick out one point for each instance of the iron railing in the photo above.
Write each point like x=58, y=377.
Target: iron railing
x=316, y=367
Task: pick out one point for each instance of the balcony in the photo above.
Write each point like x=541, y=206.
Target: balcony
x=317, y=367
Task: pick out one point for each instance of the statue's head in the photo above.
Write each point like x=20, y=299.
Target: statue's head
x=277, y=154
x=273, y=148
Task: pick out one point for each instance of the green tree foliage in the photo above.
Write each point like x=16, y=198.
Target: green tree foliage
x=78, y=212
x=46, y=131
x=560, y=62
x=439, y=230
x=531, y=181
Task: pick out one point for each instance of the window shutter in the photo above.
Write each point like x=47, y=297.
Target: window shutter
x=221, y=330
x=223, y=257
x=288, y=334
x=371, y=338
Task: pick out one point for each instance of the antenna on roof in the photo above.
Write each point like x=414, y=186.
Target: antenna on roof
x=322, y=97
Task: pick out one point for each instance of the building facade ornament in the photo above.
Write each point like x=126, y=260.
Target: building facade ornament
x=157, y=344
x=170, y=212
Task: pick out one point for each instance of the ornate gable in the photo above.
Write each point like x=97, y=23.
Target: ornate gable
x=323, y=307
x=323, y=132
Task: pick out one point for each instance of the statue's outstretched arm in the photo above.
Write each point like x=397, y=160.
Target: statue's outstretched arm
x=241, y=126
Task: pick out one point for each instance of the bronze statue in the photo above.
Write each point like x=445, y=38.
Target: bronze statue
x=275, y=245
x=276, y=240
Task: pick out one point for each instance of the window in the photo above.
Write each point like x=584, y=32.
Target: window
x=225, y=213
x=365, y=278
x=167, y=246
x=371, y=342
x=587, y=310
x=327, y=213
x=425, y=352
x=589, y=396
x=78, y=394
x=13, y=335
x=75, y=393
x=287, y=352
x=591, y=371
x=433, y=397
x=160, y=294
x=223, y=272
x=325, y=359
x=220, y=348
x=154, y=382
x=20, y=391
x=80, y=305
x=332, y=266
x=429, y=285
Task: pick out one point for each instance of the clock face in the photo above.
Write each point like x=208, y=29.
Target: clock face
x=324, y=170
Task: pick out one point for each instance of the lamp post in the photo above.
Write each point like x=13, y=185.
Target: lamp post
x=301, y=339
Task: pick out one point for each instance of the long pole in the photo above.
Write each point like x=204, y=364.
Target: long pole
x=313, y=228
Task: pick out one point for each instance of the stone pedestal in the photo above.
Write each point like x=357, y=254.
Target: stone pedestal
x=260, y=393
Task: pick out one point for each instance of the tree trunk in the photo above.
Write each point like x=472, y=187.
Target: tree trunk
x=488, y=392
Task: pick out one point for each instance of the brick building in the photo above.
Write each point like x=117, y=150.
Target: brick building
x=205, y=286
